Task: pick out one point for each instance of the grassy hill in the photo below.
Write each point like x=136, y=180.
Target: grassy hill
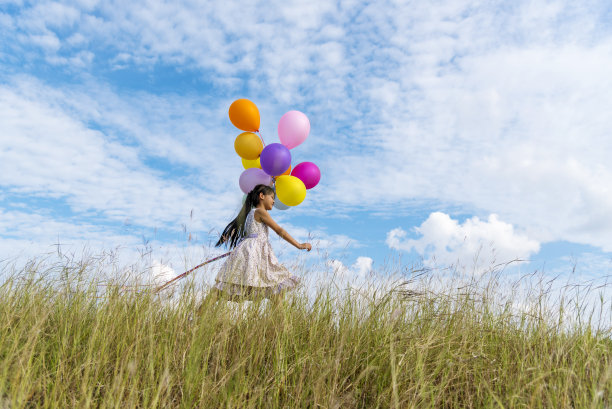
x=64, y=343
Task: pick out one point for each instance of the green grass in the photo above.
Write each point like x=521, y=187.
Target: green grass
x=65, y=344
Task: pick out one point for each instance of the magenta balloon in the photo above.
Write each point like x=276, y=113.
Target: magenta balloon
x=308, y=173
x=275, y=159
x=253, y=177
x=293, y=129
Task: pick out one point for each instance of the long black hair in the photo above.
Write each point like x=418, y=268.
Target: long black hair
x=235, y=230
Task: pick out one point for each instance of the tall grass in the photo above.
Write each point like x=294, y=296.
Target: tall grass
x=64, y=343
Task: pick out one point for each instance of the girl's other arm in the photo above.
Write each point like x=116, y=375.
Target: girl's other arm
x=265, y=217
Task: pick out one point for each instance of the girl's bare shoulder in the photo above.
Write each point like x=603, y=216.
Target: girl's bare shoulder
x=260, y=214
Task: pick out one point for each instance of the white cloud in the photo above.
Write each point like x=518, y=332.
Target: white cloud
x=320, y=239
x=363, y=265
x=28, y=235
x=475, y=120
x=585, y=266
x=48, y=41
x=49, y=15
x=87, y=151
x=288, y=50
x=361, y=281
x=474, y=244
x=357, y=272
x=50, y=149
x=494, y=108
x=161, y=273
x=340, y=280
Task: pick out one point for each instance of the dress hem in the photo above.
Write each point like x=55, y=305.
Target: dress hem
x=247, y=291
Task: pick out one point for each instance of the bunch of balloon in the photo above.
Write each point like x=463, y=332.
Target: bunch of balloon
x=245, y=116
x=271, y=164
x=293, y=129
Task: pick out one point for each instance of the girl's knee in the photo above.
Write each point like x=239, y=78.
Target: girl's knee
x=276, y=298
x=211, y=297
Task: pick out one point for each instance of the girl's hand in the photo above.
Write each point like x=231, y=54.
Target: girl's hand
x=305, y=246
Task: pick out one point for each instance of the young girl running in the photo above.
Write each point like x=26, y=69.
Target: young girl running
x=252, y=270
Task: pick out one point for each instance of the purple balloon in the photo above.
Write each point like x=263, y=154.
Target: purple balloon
x=253, y=177
x=308, y=173
x=275, y=159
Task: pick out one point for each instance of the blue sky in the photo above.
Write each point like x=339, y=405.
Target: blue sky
x=443, y=130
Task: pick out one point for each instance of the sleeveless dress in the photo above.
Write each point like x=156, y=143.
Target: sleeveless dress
x=252, y=269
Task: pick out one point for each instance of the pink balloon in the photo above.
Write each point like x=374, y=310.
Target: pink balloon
x=308, y=173
x=293, y=129
x=253, y=177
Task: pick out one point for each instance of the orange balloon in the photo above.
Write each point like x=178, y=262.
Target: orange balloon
x=244, y=115
x=287, y=172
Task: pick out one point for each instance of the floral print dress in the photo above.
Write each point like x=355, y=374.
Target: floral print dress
x=252, y=268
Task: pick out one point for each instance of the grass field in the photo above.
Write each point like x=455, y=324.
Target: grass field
x=65, y=343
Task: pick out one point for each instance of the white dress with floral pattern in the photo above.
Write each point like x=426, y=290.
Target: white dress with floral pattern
x=252, y=266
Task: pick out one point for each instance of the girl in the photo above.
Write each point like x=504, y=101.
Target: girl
x=252, y=270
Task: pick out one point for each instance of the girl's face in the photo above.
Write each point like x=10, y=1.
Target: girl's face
x=267, y=200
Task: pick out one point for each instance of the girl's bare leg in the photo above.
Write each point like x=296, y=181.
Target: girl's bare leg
x=212, y=296
x=277, y=299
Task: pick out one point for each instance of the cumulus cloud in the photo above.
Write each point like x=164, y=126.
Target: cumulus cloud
x=357, y=272
x=360, y=280
x=335, y=276
x=161, y=273
x=474, y=244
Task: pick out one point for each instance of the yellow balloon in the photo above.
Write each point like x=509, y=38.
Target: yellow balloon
x=244, y=115
x=248, y=145
x=251, y=163
x=290, y=190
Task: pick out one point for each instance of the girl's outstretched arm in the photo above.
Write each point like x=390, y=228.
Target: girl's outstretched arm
x=265, y=217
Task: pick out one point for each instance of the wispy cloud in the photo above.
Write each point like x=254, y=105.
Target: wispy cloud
x=491, y=107
x=53, y=146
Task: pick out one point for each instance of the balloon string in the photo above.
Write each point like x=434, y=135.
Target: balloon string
x=260, y=137
x=161, y=287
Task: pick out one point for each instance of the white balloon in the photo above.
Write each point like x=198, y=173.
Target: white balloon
x=278, y=204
